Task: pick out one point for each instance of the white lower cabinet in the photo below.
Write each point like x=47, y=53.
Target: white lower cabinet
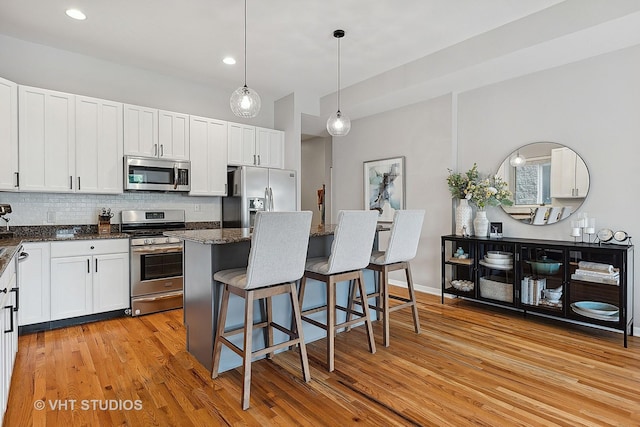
x=8, y=332
x=89, y=277
x=35, y=301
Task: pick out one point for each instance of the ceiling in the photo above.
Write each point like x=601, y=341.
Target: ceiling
x=290, y=46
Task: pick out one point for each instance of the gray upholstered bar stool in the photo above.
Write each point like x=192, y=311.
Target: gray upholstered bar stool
x=276, y=261
x=403, y=245
x=350, y=253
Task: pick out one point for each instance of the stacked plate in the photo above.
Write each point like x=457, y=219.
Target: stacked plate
x=498, y=260
x=596, y=310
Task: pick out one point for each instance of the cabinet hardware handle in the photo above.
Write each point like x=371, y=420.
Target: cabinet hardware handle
x=3, y=290
x=96, y=265
x=23, y=256
x=155, y=149
x=17, y=179
x=11, y=327
x=259, y=159
x=88, y=266
x=71, y=183
x=78, y=183
x=161, y=150
x=254, y=159
x=17, y=291
x=93, y=247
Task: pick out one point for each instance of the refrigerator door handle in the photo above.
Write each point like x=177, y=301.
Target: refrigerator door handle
x=267, y=202
x=270, y=199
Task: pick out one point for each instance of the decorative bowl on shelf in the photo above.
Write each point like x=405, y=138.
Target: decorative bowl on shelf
x=553, y=295
x=498, y=261
x=545, y=266
x=499, y=255
x=462, y=285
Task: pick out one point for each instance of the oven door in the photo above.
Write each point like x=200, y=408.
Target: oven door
x=156, y=268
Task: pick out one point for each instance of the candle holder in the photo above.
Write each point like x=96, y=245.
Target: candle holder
x=583, y=226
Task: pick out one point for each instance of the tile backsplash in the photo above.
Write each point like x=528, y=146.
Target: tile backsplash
x=62, y=209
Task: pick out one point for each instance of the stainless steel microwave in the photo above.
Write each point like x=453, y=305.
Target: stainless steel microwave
x=146, y=174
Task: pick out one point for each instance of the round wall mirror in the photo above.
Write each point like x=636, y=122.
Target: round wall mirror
x=549, y=182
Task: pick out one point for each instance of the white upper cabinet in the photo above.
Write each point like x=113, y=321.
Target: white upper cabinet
x=173, y=135
x=99, y=137
x=569, y=174
x=149, y=132
x=255, y=146
x=8, y=135
x=140, y=131
x=208, y=148
x=46, y=125
x=270, y=147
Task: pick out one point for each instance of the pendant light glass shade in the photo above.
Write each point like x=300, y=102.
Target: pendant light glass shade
x=245, y=102
x=517, y=160
x=338, y=123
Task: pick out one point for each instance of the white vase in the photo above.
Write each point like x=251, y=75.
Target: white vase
x=464, y=214
x=481, y=224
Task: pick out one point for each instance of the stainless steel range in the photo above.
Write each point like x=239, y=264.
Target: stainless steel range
x=156, y=260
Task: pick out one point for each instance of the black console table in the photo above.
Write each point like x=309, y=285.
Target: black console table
x=584, y=283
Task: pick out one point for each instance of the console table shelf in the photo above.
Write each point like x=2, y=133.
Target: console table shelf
x=584, y=283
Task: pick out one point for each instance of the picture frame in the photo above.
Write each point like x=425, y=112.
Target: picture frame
x=495, y=230
x=384, y=186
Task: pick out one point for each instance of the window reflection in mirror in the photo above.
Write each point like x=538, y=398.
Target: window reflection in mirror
x=548, y=180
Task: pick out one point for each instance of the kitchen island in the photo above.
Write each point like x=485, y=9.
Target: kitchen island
x=212, y=250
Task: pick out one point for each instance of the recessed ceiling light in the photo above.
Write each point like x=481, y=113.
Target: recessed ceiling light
x=76, y=14
x=229, y=60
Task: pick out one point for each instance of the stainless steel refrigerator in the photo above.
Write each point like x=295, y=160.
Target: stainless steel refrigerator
x=253, y=189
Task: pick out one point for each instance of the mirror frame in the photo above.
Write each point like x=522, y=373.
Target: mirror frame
x=565, y=199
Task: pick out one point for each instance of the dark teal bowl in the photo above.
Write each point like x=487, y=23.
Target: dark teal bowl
x=546, y=266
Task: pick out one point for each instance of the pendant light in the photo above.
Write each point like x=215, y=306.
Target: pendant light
x=518, y=160
x=338, y=123
x=245, y=102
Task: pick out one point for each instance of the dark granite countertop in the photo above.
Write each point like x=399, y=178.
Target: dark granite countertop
x=223, y=236
x=12, y=244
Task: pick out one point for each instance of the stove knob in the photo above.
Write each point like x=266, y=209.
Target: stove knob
x=167, y=240
x=147, y=241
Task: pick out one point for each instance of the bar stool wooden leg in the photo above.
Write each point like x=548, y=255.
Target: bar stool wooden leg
x=304, y=361
x=365, y=308
x=351, y=300
x=269, y=327
x=331, y=322
x=217, y=346
x=247, y=349
x=384, y=296
x=412, y=297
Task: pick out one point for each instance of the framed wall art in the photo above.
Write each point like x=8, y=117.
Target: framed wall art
x=384, y=182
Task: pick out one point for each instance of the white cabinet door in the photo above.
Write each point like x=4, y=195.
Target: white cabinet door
x=35, y=297
x=140, y=131
x=8, y=135
x=270, y=148
x=241, y=144
x=99, y=146
x=208, y=153
x=110, y=282
x=569, y=175
x=173, y=135
x=46, y=124
x=71, y=287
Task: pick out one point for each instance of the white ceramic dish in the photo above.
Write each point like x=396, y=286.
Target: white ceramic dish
x=499, y=255
x=498, y=261
x=601, y=308
x=496, y=266
x=608, y=318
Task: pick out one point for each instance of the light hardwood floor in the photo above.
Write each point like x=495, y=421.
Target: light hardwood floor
x=472, y=365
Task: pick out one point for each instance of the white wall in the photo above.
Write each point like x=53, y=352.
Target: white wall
x=592, y=106
x=313, y=172
x=421, y=133
x=37, y=65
